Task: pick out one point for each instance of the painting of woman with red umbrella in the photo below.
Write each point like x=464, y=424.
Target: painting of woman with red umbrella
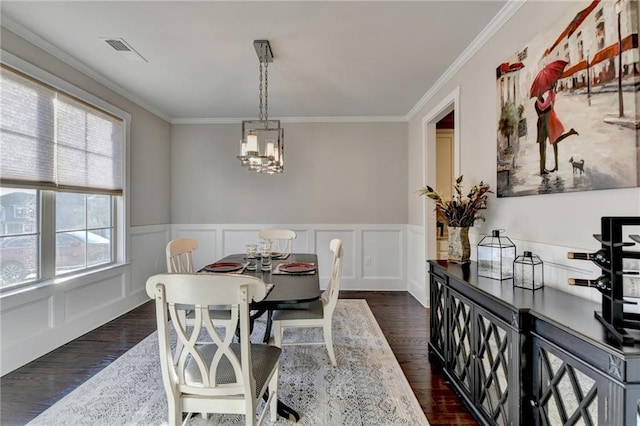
x=570, y=78
x=549, y=126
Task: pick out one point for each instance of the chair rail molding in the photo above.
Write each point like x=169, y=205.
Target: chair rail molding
x=374, y=254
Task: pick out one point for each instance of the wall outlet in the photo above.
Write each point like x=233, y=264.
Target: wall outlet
x=367, y=260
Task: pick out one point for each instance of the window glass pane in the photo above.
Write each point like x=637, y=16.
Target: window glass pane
x=18, y=211
x=18, y=236
x=70, y=211
x=70, y=251
x=19, y=259
x=98, y=211
x=98, y=247
x=83, y=231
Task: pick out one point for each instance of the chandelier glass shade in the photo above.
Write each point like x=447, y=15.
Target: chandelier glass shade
x=262, y=143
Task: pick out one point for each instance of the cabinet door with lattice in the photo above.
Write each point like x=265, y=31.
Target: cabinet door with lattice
x=461, y=355
x=494, y=378
x=437, y=317
x=567, y=391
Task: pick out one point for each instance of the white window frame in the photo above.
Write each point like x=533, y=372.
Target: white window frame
x=120, y=238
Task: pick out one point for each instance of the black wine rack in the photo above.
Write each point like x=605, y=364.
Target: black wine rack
x=613, y=317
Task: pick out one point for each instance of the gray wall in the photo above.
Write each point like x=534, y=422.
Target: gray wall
x=150, y=135
x=567, y=220
x=334, y=173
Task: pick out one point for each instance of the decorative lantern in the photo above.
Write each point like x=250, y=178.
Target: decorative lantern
x=496, y=254
x=528, y=271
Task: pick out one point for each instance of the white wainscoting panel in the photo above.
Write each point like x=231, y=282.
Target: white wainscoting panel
x=35, y=318
x=382, y=254
x=92, y=296
x=379, y=241
x=323, y=238
x=147, y=255
x=417, y=268
x=39, y=319
x=208, y=245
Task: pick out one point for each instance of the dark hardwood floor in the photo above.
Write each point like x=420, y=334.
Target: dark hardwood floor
x=31, y=389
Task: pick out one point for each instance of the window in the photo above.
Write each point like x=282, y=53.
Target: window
x=61, y=178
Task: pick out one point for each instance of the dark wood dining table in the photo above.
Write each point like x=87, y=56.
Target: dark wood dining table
x=289, y=290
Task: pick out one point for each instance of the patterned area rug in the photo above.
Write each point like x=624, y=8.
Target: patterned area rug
x=367, y=387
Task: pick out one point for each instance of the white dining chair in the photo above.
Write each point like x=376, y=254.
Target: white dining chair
x=318, y=313
x=216, y=376
x=179, y=253
x=281, y=239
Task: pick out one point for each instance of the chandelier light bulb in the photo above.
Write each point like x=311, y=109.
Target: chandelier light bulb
x=252, y=143
x=270, y=148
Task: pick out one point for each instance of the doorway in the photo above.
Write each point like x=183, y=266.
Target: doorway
x=444, y=175
x=441, y=147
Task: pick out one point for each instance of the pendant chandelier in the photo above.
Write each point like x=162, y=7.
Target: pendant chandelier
x=262, y=143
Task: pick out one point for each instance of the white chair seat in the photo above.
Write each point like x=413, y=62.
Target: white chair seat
x=314, y=311
x=263, y=360
x=219, y=314
x=318, y=313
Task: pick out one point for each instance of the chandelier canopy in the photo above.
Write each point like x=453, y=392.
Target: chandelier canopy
x=262, y=143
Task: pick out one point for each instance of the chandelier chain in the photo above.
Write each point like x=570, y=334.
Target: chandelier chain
x=266, y=85
x=260, y=116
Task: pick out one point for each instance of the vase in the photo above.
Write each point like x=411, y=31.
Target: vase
x=459, y=247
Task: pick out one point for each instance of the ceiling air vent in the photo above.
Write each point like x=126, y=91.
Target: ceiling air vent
x=124, y=48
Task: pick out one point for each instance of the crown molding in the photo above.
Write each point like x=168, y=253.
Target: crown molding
x=501, y=18
x=507, y=11
x=58, y=53
x=238, y=120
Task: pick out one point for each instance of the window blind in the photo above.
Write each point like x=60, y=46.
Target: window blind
x=52, y=140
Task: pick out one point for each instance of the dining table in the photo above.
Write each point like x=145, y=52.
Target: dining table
x=288, y=290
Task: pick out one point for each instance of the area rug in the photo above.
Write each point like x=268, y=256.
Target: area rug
x=367, y=387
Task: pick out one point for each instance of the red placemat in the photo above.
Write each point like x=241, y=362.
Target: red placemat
x=223, y=267
x=297, y=268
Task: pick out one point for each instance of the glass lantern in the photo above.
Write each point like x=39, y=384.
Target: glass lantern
x=528, y=271
x=496, y=254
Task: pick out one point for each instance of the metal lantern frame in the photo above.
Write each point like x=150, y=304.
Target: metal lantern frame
x=262, y=143
x=528, y=271
x=496, y=254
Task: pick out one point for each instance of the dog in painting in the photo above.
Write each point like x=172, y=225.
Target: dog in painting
x=578, y=166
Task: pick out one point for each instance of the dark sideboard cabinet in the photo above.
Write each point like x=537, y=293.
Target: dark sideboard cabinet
x=522, y=357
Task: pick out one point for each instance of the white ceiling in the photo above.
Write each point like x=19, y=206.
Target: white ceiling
x=365, y=59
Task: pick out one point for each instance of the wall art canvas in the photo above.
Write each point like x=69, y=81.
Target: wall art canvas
x=567, y=104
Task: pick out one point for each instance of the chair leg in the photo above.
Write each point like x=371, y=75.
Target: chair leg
x=251, y=412
x=273, y=387
x=277, y=334
x=328, y=341
x=175, y=413
x=267, y=331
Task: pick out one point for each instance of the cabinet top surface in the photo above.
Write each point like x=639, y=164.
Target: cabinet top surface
x=556, y=307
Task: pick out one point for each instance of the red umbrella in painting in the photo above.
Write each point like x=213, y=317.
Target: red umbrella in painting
x=547, y=77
